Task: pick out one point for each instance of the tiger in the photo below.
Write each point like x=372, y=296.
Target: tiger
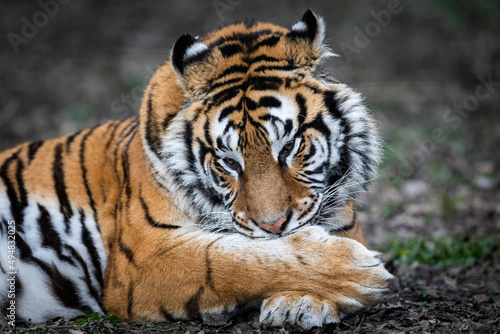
x=234, y=186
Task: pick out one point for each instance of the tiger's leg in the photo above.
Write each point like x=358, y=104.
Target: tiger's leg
x=181, y=274
x=306, y=309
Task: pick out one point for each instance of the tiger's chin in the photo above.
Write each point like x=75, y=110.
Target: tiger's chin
x=255, y=231
x=341, y=222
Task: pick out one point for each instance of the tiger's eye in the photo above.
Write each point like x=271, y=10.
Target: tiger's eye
x=232, y=164
x=285, y=152
x=288, y=146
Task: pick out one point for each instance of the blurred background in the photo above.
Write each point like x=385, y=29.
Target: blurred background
x=429, y=71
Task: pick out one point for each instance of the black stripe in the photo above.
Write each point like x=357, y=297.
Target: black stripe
x=188, y=142
x=134, y=122
x=215, y=86
x=63, y=288
x=206, y=129
x=209, y=193
x=227, y=94
x=317, y=170
x=126, y=176
x=60, y=185
x=317, y=124
x=288, y=126
x=345, y=160
x=23, y=195
x=264, y=58
x=269, y=102
x=345, y=228
x=245, y=38
x=126, y=250
x=233, y=69
x=331, y=104
x=309, y=181
x=168, y=317
x=32, y=149
x=265, y=83
x=92, y=290
x=272, y=118
x=150, y=219
x=84, y=171
x=50, y=237
x=192, y=306
x=309, y=209
x=274, y=68
x=270, y=41
x=131, y=126
x=114, y=127
x=226, y=112
x=242, y=226
x=92, y=250
x=70, y=140
x=168, y=120
x=230, y=49
x=301, y=101
x=208, y=263
x=248, y=103
x=311, y=153
x=16, y=205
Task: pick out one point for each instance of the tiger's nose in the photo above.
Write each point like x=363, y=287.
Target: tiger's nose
x=274, y=228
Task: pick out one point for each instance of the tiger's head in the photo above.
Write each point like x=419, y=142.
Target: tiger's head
x=249, y=135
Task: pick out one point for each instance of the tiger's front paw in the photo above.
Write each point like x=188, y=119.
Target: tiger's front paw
x=298, y=309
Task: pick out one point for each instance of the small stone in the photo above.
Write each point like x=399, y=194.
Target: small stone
x=480, y=298
x=484, y=182
x=414, y=188
x=214, y=320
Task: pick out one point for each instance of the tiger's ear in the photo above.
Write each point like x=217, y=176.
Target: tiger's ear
x=193, y=64
x=187, y=51
x=311, y=29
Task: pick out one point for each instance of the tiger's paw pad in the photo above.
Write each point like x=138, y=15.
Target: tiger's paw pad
x=299, y=310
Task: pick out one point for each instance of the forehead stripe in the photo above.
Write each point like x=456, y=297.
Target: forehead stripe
x=243, y=37
x=233, y=69
x=270, y=41
x=270, y=102
x=263, y=68
x=225, y=83
x=230, y=49
x=266, y=83
x=226, y=112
